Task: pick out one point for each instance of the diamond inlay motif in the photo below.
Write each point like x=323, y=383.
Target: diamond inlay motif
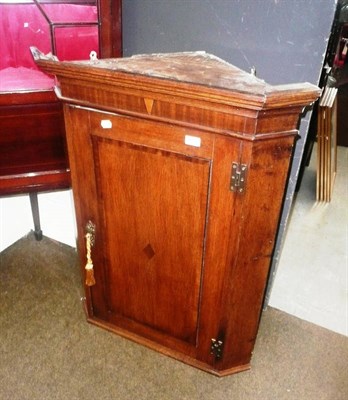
x=149, y=251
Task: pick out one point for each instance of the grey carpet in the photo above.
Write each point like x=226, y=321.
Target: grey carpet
x=49, y=351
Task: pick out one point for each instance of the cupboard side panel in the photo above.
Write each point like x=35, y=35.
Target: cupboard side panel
x=247, y=274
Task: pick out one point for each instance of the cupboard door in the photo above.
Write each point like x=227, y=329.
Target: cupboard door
x=151, y=211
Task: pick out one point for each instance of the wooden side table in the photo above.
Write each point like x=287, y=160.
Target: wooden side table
x=33, y=155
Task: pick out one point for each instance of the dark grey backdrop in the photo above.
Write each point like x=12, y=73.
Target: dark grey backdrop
x=285, y=40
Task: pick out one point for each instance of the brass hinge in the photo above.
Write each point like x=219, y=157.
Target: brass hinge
x=238, y=177
x=216, y=348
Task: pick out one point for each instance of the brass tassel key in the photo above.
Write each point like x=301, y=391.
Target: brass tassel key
x=90, y=280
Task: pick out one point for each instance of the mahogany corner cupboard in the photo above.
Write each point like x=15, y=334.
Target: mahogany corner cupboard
x=179, y=163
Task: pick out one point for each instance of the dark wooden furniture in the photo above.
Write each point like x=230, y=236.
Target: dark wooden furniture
x=33, y=154
x=32, y=143
x=342, y=107
x=179, y=164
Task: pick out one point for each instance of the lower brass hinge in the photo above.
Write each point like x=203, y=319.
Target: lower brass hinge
x=216, y=348
x=238, y=177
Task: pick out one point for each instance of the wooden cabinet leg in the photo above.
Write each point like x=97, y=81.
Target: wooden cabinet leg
x=36, y=215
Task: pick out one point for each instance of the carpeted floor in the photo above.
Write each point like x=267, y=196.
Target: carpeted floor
x=48, y=351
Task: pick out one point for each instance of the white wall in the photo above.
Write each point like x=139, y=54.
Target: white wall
x=56, y=217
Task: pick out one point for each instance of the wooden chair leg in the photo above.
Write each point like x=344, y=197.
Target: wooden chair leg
x=36, y=215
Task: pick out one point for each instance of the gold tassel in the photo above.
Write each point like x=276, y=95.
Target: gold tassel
x=90, y=280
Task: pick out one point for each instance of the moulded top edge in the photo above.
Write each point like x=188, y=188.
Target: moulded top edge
x=196, y=68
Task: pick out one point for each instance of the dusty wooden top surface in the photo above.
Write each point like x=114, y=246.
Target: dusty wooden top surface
x=191, y=67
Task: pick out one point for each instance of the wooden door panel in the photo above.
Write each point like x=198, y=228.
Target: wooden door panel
x=153, y=261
